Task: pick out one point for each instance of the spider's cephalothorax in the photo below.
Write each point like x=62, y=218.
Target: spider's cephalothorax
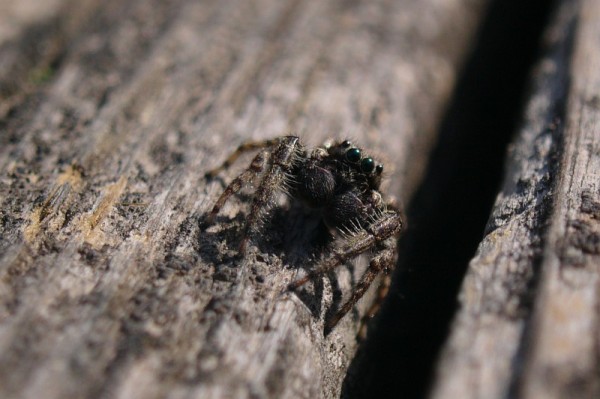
x=337, y=179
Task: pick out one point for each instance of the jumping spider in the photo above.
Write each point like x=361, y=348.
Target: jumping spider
x=338, y=180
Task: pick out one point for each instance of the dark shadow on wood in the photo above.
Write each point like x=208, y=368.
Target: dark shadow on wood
x=295, y=235
x=448, y=214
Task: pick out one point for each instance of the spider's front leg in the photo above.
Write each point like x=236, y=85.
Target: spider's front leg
x=242, y=148
x=388, y=225
x=257, y=165
x=383, y=261
x=275, y=165
x=380, y=234
x=276, y=177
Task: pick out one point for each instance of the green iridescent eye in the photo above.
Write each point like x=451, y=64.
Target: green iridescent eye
x=353, y=155
x=367, y=165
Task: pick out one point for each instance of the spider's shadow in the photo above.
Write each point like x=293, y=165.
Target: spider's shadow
x=299, y=238
x=304, y=242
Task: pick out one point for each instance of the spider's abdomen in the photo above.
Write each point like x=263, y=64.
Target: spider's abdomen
x=314, y=185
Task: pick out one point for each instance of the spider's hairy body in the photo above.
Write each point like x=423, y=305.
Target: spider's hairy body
x=339, y=181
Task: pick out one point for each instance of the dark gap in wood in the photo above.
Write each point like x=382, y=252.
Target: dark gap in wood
x=448, y=214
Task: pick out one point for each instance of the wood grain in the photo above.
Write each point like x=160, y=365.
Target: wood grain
x=562, y=360
x=110, y=114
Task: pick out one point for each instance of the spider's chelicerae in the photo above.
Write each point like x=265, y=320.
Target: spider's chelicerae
x=341, y=182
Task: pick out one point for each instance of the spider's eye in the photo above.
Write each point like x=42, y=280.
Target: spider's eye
x=345, y=143
x=367, y=165
x=379, y=169
x=353, y=155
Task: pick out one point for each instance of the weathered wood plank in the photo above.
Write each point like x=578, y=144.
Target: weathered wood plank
x=527, y=326
x=108, y=285
x=562, y=359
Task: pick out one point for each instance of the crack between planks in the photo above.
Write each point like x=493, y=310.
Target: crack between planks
x=451, y=207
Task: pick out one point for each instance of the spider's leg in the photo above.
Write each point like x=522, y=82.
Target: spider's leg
x=280, y=166
x=244, y=147
x=388, y=225
x=256, y=167
x=382, y=292
x=382, y=261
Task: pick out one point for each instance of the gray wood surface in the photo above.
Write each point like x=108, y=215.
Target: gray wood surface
x=110, y=113
x=528, y=323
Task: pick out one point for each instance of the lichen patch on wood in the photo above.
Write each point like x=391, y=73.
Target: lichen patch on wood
x=89, y=224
